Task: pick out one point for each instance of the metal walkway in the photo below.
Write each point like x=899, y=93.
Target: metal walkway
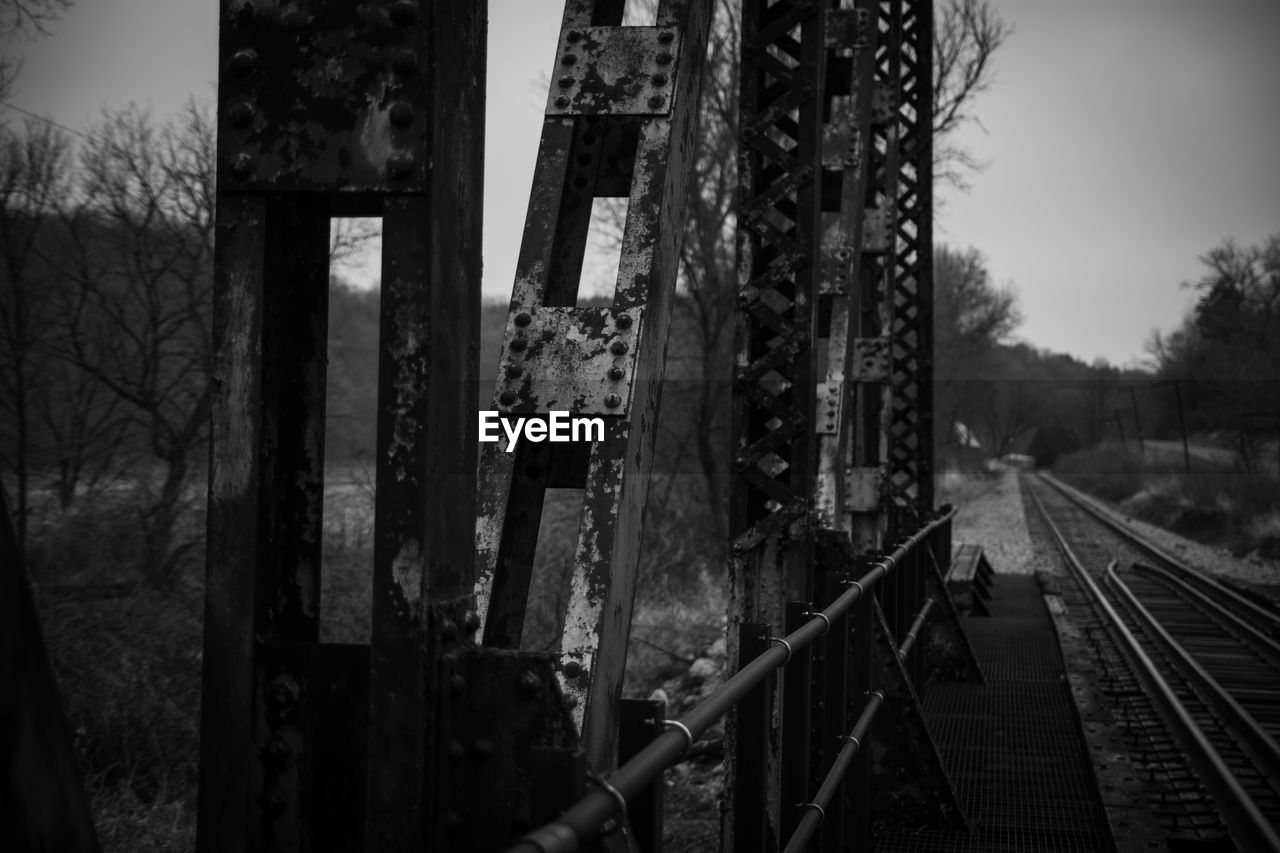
x=1014, y=745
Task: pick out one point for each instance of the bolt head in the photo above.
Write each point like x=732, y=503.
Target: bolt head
x=401, y=114
x=568, y=59
x=404, y=12
x=400, y=164
x=277, y=801
x=472, y=622
x=243, y=13
x=242, y=166
x=616, y=373
x=666, y=36
x=612, y=401
x=518, y=345
x=529, y=683
x=514, y=371
x=659, y=79
x=282, y=692
x=243, y=63
x=457, y=684
x=618, y=347
x=574, y=36
x=506, y=398
x=523, y=319
x=566, y=81
x=561, y=101
x=664, y=58
x=572, y=669
x=482, y=749
x=240, y=114
x=448, y=631
x=405, y=62
x=624, y=321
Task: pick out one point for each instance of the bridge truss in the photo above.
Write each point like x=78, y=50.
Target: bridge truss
x=445, y=730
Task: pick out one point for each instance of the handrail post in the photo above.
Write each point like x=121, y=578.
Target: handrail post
x=834, y=672
x=639, y=722
x=751, y=724
x=796, y=720
x=861, y=654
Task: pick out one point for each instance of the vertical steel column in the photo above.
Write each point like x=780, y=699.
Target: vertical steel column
x=850, y=46
x=620, y=121
x=329, y=108
x=779, y=261
x=910, y=475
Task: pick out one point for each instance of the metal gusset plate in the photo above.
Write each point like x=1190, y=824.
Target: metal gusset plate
x=614, y=71
x=580, y=360
x=323, y=94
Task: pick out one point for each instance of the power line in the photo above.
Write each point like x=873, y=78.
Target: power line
x=44, y=119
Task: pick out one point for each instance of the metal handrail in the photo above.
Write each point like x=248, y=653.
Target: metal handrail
x=583, y=819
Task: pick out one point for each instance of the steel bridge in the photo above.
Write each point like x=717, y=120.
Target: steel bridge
x=443, y=731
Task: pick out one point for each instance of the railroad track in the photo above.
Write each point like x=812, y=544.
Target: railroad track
x=1193, y=671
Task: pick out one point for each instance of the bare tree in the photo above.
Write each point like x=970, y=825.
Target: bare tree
x=24, y=18
x=33, y=180
x=137, y=319
x=966, y=36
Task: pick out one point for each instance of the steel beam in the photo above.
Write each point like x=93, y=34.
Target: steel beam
x=620, y=121
x=327, y=109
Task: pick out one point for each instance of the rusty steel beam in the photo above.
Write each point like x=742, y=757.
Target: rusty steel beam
x=909, y=479
x=779, y=240
x=850, y=43
x=43, y=805
x=620, y=121
x=326, y=109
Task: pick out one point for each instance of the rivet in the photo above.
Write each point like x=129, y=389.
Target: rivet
x=612, y=401
x=663, y=58
x=243, y=62
x=572, y=669
x=240, y=114
x=276, y=801
x=457, y=684
x=568, y=59
x=506, y=398
x=514, y=371
x=618, y=347
x=282, y=692
x=518, y=345
x=405, y=62
x=561, y=101
x=404, y=12
x=279, y=749
x=448, y=631
x=529, y=683
x=242, y=166
x=523, y=319
x=666, y=36
x=623, y=321
x=482, y=749
x=574, y=36
x=616, y=373
x=243, y=13
x=400, y=164
x=659, y=79
x=566, y=81
x=471, y=623
x=401, y=114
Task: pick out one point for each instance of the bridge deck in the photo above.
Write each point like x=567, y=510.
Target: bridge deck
x=1014, y=746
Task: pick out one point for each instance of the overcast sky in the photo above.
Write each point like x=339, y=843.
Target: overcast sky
x=1123, y=139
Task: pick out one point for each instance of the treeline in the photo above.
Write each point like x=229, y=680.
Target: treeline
x=1222, y=364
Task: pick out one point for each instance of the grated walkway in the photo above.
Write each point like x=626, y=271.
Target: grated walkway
x=1013, y=745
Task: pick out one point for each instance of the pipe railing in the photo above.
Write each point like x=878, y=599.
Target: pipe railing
x=610, y=796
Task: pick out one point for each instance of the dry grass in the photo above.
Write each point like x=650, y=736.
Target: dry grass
x=1215, y=504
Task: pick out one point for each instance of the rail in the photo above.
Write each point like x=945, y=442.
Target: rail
x=1245, y=819
x=610, y=796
